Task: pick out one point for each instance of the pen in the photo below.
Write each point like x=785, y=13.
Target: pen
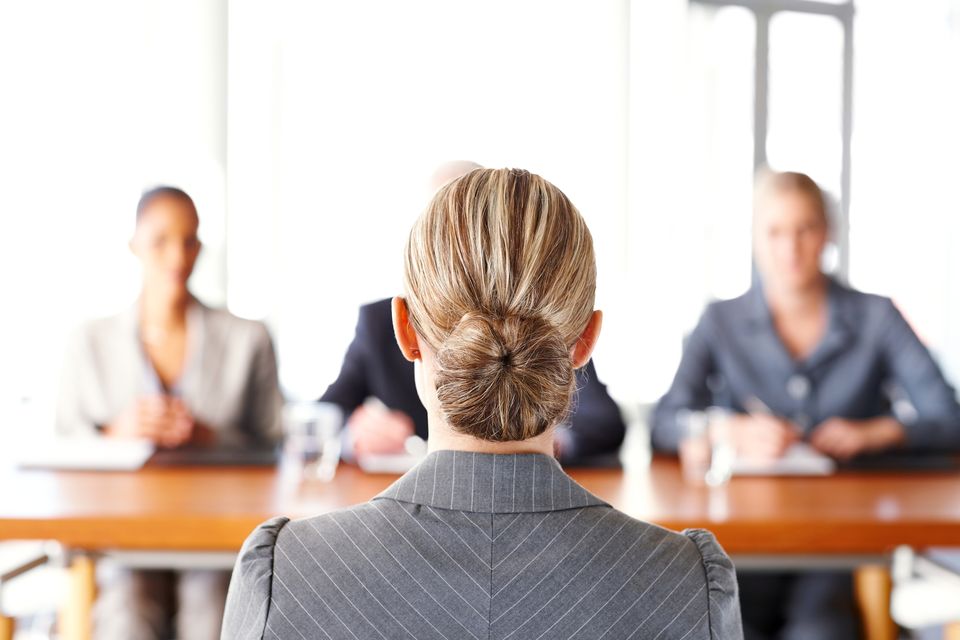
x=756, y=407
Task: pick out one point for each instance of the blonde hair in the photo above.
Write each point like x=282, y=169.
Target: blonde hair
x=500, y=279
x=773, y=183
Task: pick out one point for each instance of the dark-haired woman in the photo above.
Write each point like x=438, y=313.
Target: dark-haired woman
x=178, y=373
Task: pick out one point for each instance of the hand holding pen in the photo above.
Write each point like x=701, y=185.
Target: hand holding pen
x=760, y=435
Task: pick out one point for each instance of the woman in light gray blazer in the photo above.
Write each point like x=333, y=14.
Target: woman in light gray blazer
x=487, y=537
x=180, y=374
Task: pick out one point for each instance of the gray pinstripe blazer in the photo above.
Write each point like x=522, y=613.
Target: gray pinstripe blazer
x=480, y=546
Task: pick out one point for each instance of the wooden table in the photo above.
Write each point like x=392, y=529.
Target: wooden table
x=213, y=509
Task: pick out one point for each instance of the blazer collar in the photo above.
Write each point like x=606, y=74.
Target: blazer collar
x=841, y=324
x=490, y=483
x=197, y=335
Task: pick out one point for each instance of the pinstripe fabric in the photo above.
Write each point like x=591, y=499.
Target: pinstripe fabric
x=481, y=546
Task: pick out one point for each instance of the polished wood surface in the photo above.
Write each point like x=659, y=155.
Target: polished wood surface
x=215, y=508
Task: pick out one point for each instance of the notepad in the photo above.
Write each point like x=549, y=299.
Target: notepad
x=86, y=454
x=799, y=460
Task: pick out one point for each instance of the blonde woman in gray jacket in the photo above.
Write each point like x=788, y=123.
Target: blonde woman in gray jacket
x=487, y=537
x=180, y=374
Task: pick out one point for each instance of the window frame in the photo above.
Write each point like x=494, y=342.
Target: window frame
x=763, y=11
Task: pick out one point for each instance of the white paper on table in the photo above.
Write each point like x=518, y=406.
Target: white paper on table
x=799, y=460
x=86, y=454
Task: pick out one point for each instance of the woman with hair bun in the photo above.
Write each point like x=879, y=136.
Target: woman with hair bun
x=487, y=537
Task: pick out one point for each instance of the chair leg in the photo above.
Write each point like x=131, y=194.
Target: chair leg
x=76, y=617
x=872, y=584
x=6, y=628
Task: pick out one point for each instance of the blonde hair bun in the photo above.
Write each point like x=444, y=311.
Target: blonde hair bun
x=500, y=278
x=504, y=378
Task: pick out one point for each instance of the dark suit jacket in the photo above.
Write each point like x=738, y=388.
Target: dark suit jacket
x=480, y=546
x=868, y=354
x=374, y=366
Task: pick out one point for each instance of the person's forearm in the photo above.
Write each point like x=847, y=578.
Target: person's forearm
x=940, y=434
x=884, y=433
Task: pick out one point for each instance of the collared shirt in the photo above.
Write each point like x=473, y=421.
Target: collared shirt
x=478, y=546
x=868, y=363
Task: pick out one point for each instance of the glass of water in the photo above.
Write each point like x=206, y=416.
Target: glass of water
x=312, y=438
x=706, y=447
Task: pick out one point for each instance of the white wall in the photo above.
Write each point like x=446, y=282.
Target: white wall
x=905, y=206
x=343, y=110
x=100, y=100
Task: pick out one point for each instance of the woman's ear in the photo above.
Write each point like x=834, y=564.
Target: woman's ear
x=583, y=348
x=403, y=330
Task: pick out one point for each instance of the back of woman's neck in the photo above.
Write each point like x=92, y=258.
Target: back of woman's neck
x=443, y=437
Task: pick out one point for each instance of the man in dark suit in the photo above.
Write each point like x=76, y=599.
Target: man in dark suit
x=374, y=366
